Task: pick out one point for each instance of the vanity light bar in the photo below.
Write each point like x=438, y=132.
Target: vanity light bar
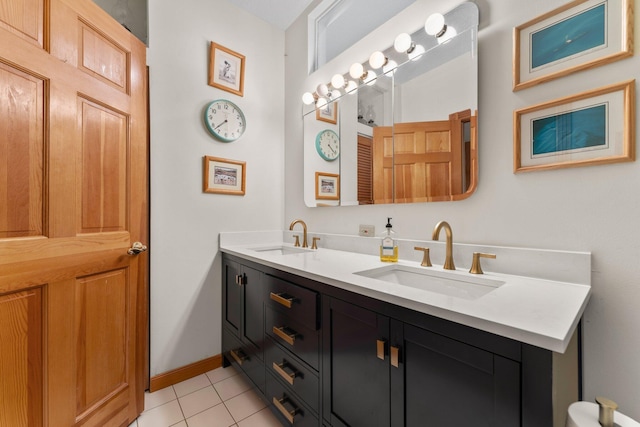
x=403, y=44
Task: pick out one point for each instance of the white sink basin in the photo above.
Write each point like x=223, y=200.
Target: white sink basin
x=447, y=283
x=282, y=250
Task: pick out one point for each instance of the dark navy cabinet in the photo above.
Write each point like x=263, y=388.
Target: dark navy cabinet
x=323, y=356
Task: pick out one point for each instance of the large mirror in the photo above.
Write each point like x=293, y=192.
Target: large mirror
x=410, y=135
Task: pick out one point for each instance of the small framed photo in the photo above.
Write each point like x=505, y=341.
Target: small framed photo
x=579, y=35
x=226, y=69
x=327, y=186
x=329, y=113
x=593, y=127
x=224, y=176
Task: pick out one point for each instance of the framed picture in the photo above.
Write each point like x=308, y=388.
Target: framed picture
x=224, y=176
x=579, y=35
x=329, y=113
x=590, y=128
x=226, y=69
x=327, y=186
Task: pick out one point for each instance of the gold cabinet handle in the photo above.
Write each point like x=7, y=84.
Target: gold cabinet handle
x=287, y=302
x=288, y=377
x=279, y=403
x=395, y=357
x=239, y=356
x=239, y=281
x=380, y=349
x=289, y=338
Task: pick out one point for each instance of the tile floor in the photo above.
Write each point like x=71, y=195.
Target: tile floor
x=219, y=398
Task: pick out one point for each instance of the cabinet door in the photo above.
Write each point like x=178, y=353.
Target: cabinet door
x=449, y=383
x=232, y=296
x=356, y=380
x=252, y=309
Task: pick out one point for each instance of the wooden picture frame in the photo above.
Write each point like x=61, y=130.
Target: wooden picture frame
x=226, y=69
x=593, y=127
x=327, y=186
x=328, y=113
x=224, y=176
x=579, y=35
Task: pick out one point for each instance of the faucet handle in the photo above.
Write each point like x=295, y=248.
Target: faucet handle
x=475, y=265
x=426, y=261
x=297, y=242
x=605, y=412
x=313, y=243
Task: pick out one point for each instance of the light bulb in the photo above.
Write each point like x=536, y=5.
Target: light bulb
x=402, y=43
x=390, y=67
x=307, y=98
x=337, y=81
x=377, y=60
x=351, y=86
x=321, y=103
x=370, y=78
x=356, y=71
x=449, y=33
x=322, y=89
x=416, y=53
x=434, y=26
x=335, y=93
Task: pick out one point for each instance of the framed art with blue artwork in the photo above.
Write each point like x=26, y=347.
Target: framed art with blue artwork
x=579, y=35
x=592, y=127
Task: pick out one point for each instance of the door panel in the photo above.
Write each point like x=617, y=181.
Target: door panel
x=73, y=199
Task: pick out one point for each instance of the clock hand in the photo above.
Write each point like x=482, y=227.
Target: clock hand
x=225, y=121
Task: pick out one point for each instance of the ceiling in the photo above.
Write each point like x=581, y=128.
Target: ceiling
x=280, y=13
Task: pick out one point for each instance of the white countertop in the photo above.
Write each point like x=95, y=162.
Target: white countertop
x=536, y=311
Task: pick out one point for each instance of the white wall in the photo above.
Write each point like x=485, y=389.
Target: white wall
x=185, y=222
x=586, y=209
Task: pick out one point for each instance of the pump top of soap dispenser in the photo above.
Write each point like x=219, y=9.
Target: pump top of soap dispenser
x=388, y=223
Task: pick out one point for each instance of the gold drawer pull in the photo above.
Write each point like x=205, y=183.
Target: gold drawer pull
x=380, y=349
x=289, y=338
x=287, y=302
x=239, y=356
x=279, y=403
x=395, y=356
x=288, y=377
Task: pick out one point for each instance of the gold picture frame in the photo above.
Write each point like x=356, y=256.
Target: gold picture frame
x=328, y=113
x=224, y=176
x=327, y=186
x=593, y=127
x=579, y=35
x=226, y=69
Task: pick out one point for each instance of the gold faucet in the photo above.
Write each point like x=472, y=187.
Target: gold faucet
x=448, y=261
x=304, y=232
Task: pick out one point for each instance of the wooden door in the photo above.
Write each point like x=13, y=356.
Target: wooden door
x=421, y=161
x=73, y=186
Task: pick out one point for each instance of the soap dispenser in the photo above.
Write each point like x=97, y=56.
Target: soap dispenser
x=388, y=246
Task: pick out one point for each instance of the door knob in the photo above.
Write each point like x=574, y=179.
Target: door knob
x=136, y=248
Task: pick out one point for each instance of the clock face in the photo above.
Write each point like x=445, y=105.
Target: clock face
x=328, y=145
x=225, y=120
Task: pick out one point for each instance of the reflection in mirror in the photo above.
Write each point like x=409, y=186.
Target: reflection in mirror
x=412, y=135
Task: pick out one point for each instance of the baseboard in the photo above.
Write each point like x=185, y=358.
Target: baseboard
x=184, y=373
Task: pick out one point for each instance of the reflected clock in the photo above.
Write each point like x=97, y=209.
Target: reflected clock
x=225, y=120
x=328, y=145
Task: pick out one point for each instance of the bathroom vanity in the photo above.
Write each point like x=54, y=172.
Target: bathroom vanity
x=328, y=341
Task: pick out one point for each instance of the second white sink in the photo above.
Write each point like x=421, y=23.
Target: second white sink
x=451, y=284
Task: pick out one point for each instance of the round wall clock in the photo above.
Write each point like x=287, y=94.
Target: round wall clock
x=328, y=144
x=225, y=120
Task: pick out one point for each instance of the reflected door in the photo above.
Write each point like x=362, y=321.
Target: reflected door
x=73, y=147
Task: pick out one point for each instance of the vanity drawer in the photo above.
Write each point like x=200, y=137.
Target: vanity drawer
x=297, y=302
x=291, y=370
x=288, y=406
x=243, y=358
x=294, y=336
